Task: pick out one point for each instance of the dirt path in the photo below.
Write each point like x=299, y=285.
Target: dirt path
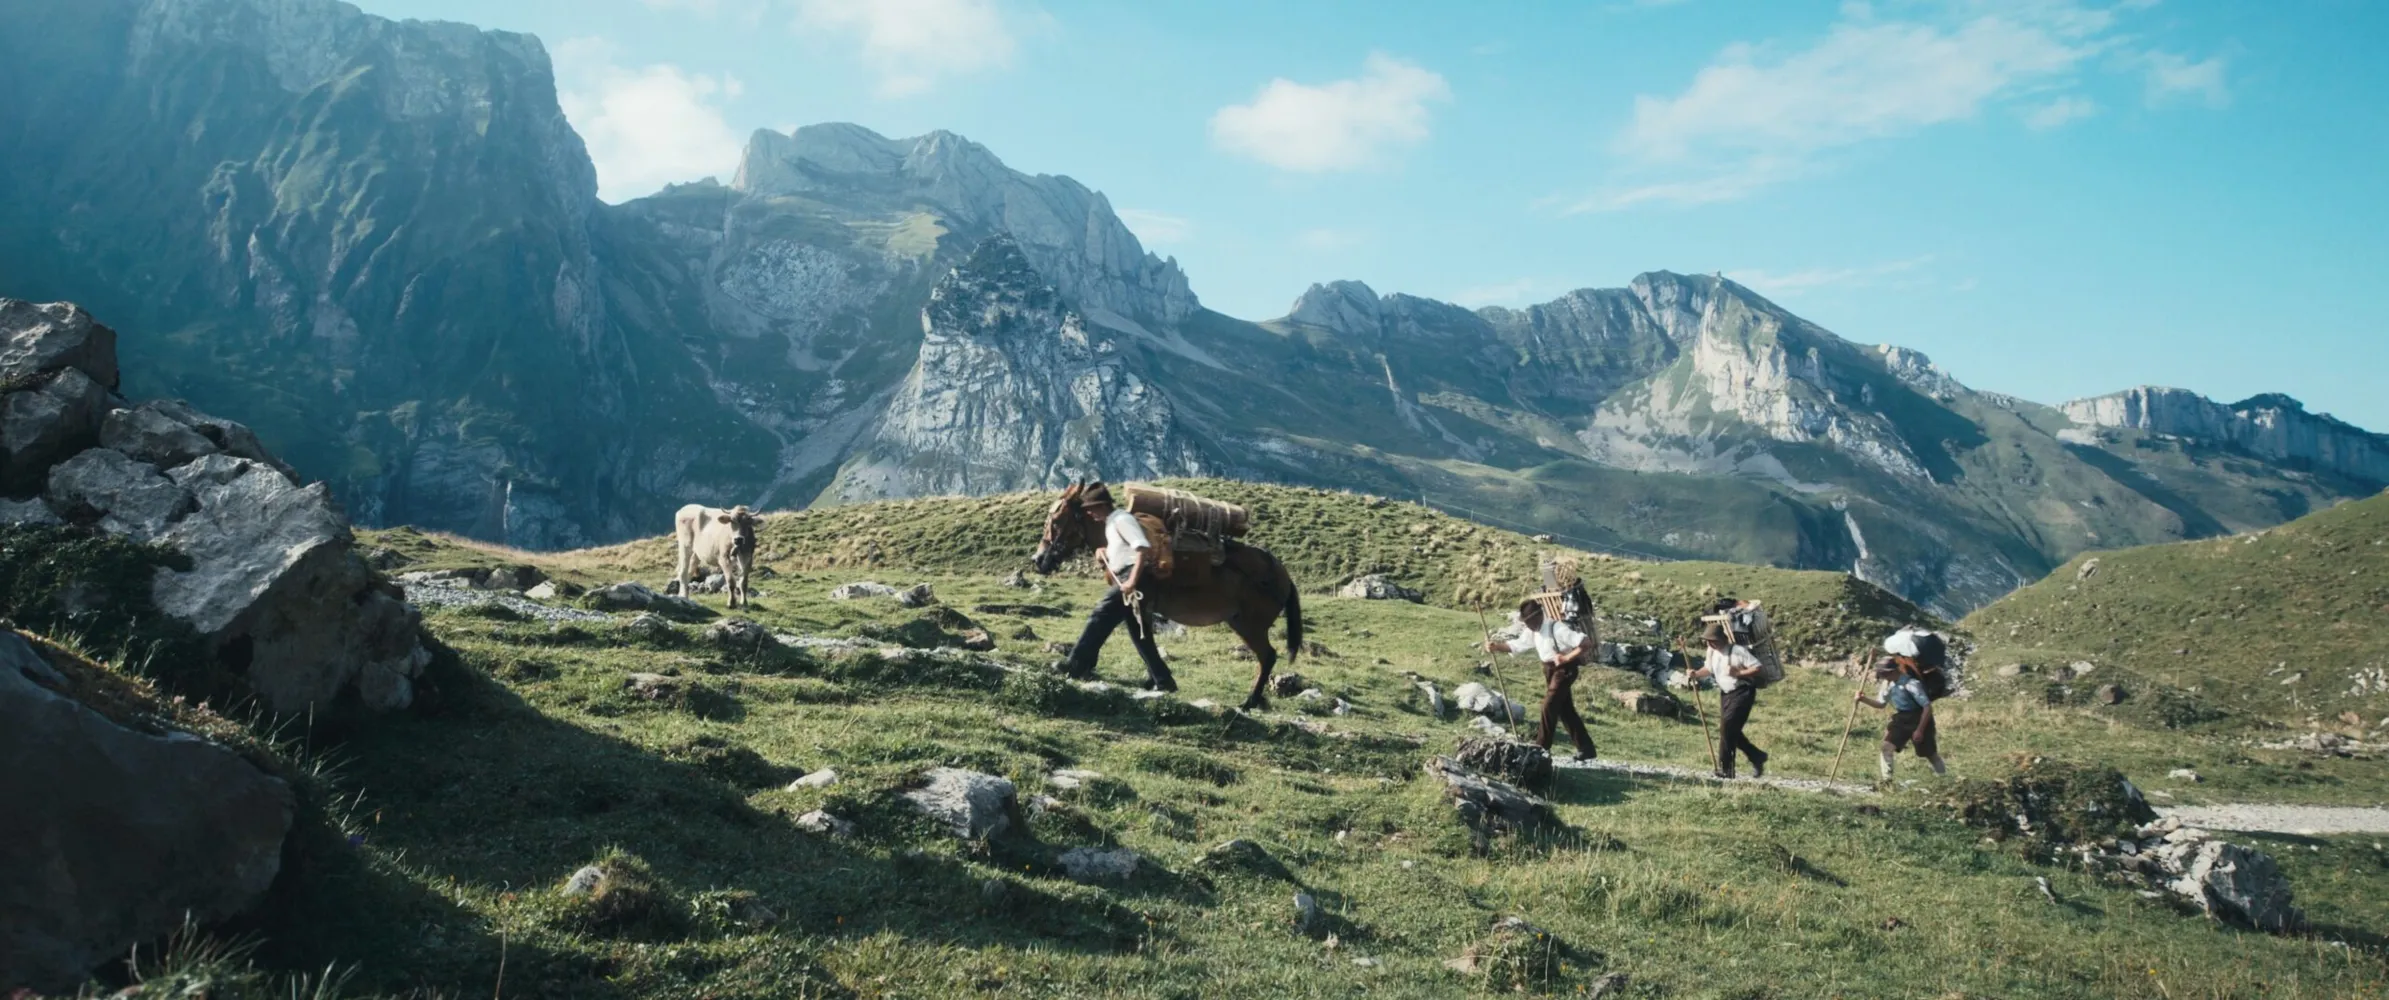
x=2302, y=820
x=2238, y=818
x=1692, y=774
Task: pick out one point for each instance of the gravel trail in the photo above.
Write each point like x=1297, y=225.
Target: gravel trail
x=2301, y=820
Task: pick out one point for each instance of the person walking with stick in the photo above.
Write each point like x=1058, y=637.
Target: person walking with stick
x=1563, y=651
x=1735, y=670
x=1911, y=715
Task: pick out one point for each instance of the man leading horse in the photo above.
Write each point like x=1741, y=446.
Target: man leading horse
x=1247, y=590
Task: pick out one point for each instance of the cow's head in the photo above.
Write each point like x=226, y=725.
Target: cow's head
x=1068, y=529
x=741, y=522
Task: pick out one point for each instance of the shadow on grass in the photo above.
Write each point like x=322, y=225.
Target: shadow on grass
x=492, y=794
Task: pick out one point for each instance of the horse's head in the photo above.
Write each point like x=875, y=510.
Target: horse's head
x=1067, y=530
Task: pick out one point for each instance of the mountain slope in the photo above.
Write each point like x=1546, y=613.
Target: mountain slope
x=379, y=243
x=2283, y=624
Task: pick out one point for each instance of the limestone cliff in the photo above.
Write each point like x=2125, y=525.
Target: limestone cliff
x=2271, y=426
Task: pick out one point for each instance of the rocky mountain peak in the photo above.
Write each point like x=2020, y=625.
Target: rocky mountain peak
x=1346, y=307
x=2271, y=426
x=1068, y=231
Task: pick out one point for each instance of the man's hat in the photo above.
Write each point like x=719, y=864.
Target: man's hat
x=1716, y=633
x=1096, y=493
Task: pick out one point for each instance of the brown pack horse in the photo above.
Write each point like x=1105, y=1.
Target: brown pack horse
x=1246, y=592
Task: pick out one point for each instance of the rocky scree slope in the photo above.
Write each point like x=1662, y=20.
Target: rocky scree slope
x=379, y=242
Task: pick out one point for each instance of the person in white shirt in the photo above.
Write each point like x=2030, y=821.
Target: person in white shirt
x=1911, y=716
x=1563, y=651
x=1734, y=667
x=1125, y=546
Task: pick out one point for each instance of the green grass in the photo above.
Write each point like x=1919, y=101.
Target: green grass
x=529, y=760
x=2283, y=626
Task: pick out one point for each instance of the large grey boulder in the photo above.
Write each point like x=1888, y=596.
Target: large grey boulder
x=127, y=497
x=37, y=337
x=44, y=419
x=147, y=433
x=279, y=590
x=1487, y=805
x=972, y=805
x=113, y=835
x=1379, y=587
x=1510, y=760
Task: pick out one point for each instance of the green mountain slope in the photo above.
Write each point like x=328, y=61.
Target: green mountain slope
x=2282, y=624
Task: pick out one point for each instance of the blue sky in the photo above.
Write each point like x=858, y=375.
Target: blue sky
x=2053, y=198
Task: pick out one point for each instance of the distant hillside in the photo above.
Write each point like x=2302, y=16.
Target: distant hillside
x=2289, y=624
x=1326, y=538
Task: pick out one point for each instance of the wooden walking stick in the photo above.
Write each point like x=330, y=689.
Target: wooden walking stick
x=1846, y=724
x=1506, y=701
x=1697, y=704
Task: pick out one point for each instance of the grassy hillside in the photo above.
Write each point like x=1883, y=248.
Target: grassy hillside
x=440, y=840
x=1325, y=537
x=2284, y=625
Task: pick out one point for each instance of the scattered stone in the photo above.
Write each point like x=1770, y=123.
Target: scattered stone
x=1609, y=985
x=919, y=596
x=649, y=626
x=114, y=836
x=125, y=496
x=739, y=635
x=2041, y=882
x=1060, y=648
x=1434, y=699
x=2110, y=694
x=2014, y=670
x=1487, y=805
x=824, y=824
x=1478, y=699
x=624, y=596
x=547, y=591
x=1244, y=856
x=1379, y=587
x=1306, y=912
x=994, y=893
x=861, y=589
x=33, y=511
x=2229, y=882
x=653, y=687
x=1017, y=581
x=2079, y=668
x=2183, y=774
x=43, y=425
x=149, y=435
x=1288, y=685
x=973, y=806
x=1657, y=703
x=1091, y=864
x=2090, y=568
x=978, y=640
x=819, y=779
x=584, y=881
x=1519, y=763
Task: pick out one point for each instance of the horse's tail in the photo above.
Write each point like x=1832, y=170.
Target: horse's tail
x=1293, y=613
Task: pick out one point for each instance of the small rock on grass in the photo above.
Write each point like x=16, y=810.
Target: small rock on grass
x=1094, y=864
x=823, y=823
x=1306, y=912
x=584, y=881
x=819, y=779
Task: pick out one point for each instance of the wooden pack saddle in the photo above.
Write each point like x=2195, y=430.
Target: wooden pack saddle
x=1181, y=524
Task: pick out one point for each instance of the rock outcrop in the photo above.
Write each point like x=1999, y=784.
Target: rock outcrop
x=1014, y=389
x=2272, y=427
x=275, y=588
x=115, y=836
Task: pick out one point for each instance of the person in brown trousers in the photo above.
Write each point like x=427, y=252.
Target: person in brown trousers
x=1563, y=651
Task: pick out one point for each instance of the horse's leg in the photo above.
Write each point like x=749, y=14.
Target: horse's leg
x=1255, y=633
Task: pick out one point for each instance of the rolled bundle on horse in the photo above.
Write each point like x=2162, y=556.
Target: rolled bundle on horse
x=1241, y=586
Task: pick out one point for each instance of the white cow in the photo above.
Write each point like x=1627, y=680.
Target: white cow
x=722, y=539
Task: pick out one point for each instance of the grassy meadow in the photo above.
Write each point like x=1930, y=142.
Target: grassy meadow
x=441, y=840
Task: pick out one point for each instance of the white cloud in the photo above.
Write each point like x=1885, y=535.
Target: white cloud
x=1341, y=125
x=913, y=44
x=1758, y=115
x=647, y=126
x=2171, y=76
x=1809, y=279
x=1156, y=228
x=2059, y=112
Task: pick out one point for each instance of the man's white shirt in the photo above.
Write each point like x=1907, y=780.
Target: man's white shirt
x=1552, y=640
x=1124, y=542
x=1723, y=664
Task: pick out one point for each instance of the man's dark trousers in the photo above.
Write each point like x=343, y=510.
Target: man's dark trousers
x=1734, y=712
x=1559, y=706
x=1108, y=614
